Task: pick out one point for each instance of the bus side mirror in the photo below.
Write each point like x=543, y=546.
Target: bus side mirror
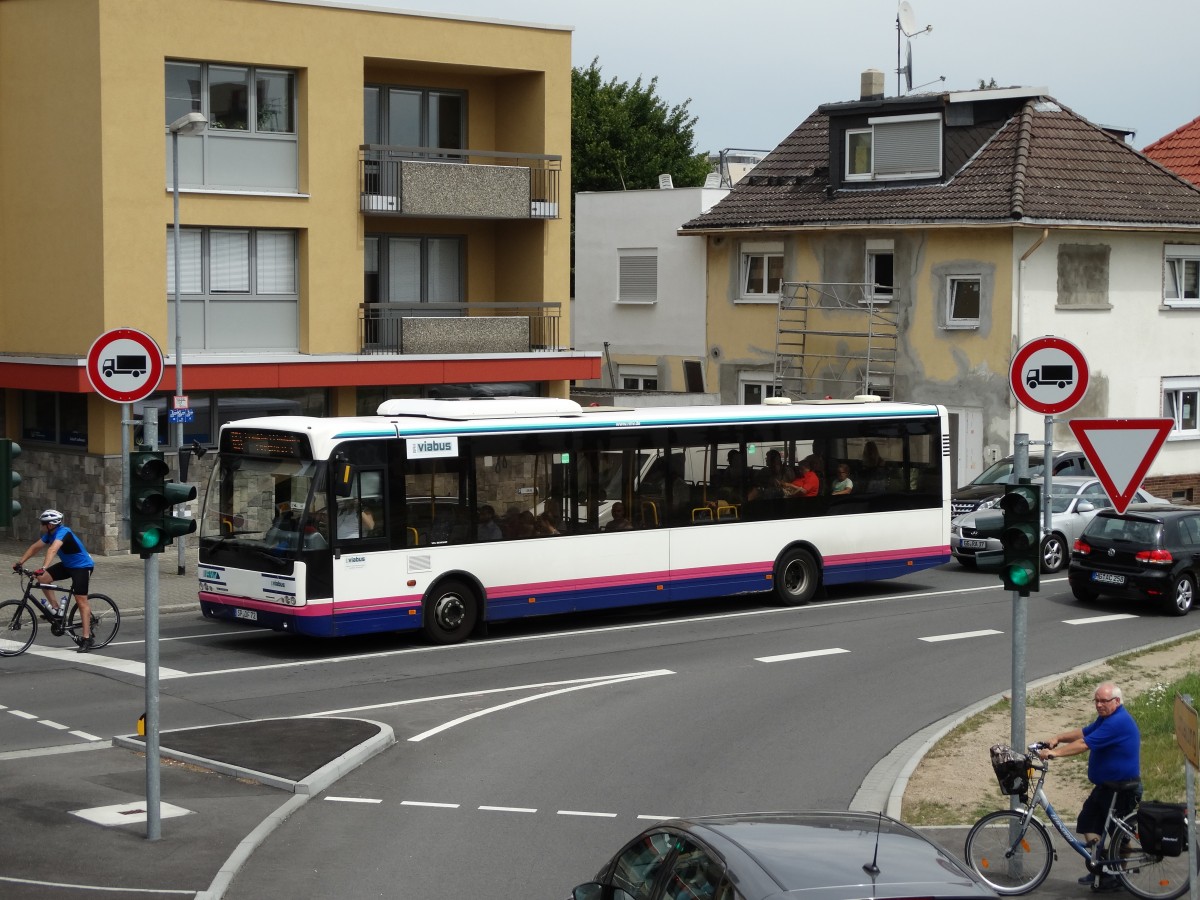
x=343, y=478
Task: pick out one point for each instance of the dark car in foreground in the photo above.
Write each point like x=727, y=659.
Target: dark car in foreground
x=759, y=856
x=986, y=490
x=1149, y=553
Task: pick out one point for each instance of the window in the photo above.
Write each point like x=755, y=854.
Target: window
x=881, y=279
x=762, y=270
x=212, y=409
x=413, y=269
x=1181, y=399
x=414, y=117
x=238, y=287
x=1181, y=275
x=639, y=378
x=963, y=301
x=233, y=98
x=638, y=276
x=55, y=418
x=895, y=147
x=753, y=389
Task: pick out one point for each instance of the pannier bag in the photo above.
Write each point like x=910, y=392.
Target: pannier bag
x=1012, y=770
x=1162, y=827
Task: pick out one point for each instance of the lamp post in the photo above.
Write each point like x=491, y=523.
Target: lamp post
x=188, y=123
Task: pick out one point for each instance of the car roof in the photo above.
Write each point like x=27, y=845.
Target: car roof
x=821, y=855
x=1151, y=510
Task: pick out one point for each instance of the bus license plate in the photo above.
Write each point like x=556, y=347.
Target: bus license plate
x=971, y=544
x=250, y=615
x=1108, y=578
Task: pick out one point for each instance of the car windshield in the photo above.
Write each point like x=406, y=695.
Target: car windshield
x=1002, y=472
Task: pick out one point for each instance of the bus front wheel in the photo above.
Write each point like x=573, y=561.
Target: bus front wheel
x=450, y=612
x=796, y=577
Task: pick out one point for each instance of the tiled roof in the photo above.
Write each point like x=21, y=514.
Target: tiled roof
x=1043, y=165
x=1179, y=151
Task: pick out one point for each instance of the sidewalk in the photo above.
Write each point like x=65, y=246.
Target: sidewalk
x=123, y=577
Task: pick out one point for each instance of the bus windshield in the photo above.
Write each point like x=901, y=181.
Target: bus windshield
x=275, y=503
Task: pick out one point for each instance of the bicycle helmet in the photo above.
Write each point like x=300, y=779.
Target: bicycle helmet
x=51, y=517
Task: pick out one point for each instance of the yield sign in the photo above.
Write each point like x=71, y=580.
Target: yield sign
x=1121, y=451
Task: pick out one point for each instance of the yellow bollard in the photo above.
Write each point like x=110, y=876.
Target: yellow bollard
x=142, y=725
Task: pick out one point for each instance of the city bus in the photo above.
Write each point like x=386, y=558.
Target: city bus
x=444, y=515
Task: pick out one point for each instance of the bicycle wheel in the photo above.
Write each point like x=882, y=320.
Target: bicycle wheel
x=18, y=627
x=106, y=620
x=1145, y=874
x=988, y=847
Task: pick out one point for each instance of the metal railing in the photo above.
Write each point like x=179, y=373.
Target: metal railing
x=380, y=175
x=381, y=325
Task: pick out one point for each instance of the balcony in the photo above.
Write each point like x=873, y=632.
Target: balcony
x=477, y=184
x=458, y=328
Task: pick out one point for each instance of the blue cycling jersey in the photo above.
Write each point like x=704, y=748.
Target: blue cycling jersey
x=72, y=553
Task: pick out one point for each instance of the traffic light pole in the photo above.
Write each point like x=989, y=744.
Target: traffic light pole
x=150, y=561
x=1020, y=613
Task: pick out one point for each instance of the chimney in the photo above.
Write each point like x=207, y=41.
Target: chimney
x=871, y=85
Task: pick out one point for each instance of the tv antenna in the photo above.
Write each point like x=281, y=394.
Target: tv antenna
x=906, y=24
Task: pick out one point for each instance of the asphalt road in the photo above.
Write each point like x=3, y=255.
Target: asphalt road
x=525, y=759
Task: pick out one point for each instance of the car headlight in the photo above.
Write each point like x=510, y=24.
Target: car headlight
x=988, y=504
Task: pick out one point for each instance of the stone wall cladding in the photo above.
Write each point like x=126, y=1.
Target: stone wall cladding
x=474, y=334
x=459, y=189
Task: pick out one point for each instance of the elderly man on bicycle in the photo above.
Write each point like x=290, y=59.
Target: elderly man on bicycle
x=73, y=561
x=1115, y=745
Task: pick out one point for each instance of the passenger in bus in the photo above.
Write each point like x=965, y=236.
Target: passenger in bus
x=488, y=530
x=348, y=525
x=806, y=482
x=843, y=483
x=874, y=470
x=551, y=517
x=772, y=479
x=620, y=521
x=526, y=524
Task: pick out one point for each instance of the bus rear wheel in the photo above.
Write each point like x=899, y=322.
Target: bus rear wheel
x=796, y=577
x=450, y=613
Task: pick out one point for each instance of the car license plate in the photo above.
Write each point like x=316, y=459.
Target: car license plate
x=1108, y=578
x=250, y=615
x=973, y=544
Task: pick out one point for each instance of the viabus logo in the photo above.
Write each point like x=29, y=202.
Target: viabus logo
x=431, y=447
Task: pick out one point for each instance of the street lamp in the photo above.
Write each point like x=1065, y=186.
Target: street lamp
x=188, y=123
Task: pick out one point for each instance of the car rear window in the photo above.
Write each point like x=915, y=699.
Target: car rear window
x=1137, y=531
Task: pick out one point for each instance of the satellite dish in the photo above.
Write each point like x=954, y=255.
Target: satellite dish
x=907, y=19
x=908, y=68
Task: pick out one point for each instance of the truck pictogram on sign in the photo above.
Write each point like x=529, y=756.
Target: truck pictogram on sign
x=133, y=365
x=1059, y=375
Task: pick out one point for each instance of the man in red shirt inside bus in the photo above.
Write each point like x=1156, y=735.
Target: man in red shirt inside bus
x=806, y=482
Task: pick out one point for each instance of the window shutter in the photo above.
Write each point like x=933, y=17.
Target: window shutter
x=276, y=262
x=443, y=270
x=908, y=148
x=404, y=270
x=638, y=279
x=189, y=251
x=229, y=261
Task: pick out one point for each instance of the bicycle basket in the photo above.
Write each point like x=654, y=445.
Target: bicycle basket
x=1012, y=770
x=1162, y=827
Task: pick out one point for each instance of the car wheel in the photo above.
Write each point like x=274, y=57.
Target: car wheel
x=1182, y=598
x=796, y=577
x=1084, y=594
x=1054, y=554
x=450, y=613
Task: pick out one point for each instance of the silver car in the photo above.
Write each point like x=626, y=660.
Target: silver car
x=1074, y=500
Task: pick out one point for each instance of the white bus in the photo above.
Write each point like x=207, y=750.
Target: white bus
x=440, y=515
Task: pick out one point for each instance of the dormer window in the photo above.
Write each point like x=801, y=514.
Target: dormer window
x=895, y=148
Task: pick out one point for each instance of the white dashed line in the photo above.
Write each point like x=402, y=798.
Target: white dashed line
x=658, y=818
x=21, y=715
x=52, y=724
x=579, y=812
x=86, y=736
x=518, y=809
x=353, y=800
x=960, y=636
x=1091, y=620
x=806, y=654
x=427, y=803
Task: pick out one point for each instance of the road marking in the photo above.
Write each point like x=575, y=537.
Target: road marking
x=353, y=800
x=658, y=818
x=21, y=714
x=503, y=706
x=85, y=736
x=1091, y=620
x=593, y=815
x=519, y=809
x=53, y=724
x=806, y=654
x=94, y=659
x=960, y=636
x=94, y=887
x=429, y=803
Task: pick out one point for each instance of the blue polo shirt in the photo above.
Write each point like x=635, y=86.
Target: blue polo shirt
x=1115, y=748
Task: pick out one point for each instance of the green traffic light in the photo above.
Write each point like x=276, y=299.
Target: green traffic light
x=1019, y=575
x=149, y=539
x=1021, y=538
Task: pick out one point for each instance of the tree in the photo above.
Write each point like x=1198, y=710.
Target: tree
x=623, y=136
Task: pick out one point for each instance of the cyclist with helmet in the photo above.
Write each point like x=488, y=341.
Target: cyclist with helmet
x=73, y=561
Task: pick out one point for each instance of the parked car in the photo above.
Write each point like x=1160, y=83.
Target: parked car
x=1146, y=553
x=986, y=490
x=1074, y=500
x=754, y=856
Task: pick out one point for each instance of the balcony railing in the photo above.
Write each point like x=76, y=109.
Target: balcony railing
x=457, y=328
x=436, y=181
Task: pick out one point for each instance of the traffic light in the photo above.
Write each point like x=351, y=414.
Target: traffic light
x=9, y=450
x=151, y=499
x=1022, y=537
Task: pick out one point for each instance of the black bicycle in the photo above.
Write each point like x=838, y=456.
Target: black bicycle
x=19, y=618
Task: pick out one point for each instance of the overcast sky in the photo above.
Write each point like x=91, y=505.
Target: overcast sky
x=755, y=70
